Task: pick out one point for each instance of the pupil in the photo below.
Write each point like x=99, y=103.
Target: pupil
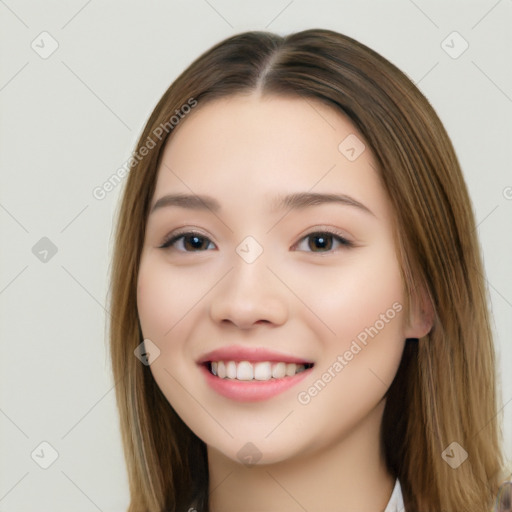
x=196, y=241
x=320, y=240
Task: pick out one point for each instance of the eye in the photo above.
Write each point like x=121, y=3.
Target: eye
x=189, y=242
x=322, y=241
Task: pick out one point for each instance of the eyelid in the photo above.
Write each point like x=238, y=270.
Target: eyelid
x=326, y=229
x=175, y=235
x=342, y=238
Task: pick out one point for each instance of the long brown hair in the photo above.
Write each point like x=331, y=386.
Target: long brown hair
x=445, y=390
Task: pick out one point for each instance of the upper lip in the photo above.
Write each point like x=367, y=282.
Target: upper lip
x=251, y=354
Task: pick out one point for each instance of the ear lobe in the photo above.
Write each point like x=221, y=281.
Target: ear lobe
x=421, y=316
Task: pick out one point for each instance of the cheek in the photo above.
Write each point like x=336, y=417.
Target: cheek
x=162, y=298
x=171, y=303
x=354, y=297
x=159, y=305
x=152, y=302
x=366, y=312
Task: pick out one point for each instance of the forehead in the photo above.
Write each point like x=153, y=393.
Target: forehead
x=253, y=145
x=243, y=120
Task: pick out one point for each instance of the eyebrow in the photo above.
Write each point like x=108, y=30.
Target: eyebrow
x=297, y=201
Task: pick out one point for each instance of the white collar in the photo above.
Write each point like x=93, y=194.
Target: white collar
x=396, y=502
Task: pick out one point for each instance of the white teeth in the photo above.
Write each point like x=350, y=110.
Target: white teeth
x=264, y=370
x=279, y=370
x=244, y=370
x=221, y=370
x=231, y=372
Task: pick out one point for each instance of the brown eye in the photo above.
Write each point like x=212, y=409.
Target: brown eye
x=323, y=241
x=191, y=242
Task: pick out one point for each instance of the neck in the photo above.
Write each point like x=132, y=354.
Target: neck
x=347, y=475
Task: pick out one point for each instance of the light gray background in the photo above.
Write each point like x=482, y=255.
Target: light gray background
x=70, y=120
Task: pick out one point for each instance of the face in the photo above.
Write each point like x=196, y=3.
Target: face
x=308, y=281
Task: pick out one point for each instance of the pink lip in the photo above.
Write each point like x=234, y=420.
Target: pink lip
x=251, y=391
x=251, y=354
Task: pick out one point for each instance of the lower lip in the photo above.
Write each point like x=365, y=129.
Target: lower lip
x=251, y=390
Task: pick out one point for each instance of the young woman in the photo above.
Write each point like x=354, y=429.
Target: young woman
x=299, y=316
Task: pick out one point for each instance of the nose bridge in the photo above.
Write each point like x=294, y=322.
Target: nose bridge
x=250, y=292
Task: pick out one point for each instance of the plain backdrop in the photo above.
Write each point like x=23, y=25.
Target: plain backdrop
x=78, y=80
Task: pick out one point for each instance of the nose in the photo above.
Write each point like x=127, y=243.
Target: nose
x=249, y=295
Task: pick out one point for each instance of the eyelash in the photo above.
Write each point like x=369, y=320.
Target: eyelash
x=174, y=237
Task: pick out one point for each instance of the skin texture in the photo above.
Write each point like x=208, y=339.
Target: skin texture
x=296, y=297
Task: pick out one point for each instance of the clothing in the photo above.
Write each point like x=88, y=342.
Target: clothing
x=396, y=502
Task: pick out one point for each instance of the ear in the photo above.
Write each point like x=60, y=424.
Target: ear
x=421, y=315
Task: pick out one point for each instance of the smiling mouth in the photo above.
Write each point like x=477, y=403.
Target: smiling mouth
x=255, y=371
